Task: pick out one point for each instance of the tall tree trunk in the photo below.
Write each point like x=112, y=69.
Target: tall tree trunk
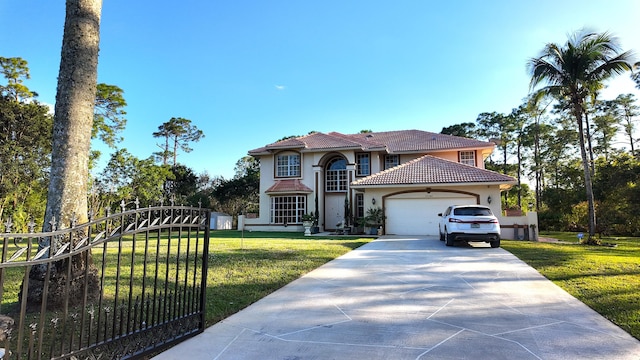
x=165, y=154
x=588, y=135
x=536, y=155
x=504, y=171
x=73, y=119
x=587, y=175
x=175, y=149
x=628, y=117
x=519, y=155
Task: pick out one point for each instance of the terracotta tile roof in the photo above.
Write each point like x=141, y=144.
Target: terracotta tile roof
x=418, y=140
x=289, y=186
x=312, y=142
x=366, y=143
x=321, y=141
x=293, y=143
x=428, y=169
x=402, y=141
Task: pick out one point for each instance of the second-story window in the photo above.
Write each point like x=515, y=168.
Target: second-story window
x=336, y=175
x=288, y=165
x=468, y=157
x=363, y=167
x=391, y=161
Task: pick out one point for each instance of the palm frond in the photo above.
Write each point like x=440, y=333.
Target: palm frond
x=587, y=59
x=614, y=66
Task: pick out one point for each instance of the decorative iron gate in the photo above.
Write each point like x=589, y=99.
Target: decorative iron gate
x=119, y=287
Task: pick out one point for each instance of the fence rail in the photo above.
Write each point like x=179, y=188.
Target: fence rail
x=119, y=287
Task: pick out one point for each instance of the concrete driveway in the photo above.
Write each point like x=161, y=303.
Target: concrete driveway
x=415, y=298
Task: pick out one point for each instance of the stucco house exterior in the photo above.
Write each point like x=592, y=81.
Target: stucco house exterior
x=412, y=175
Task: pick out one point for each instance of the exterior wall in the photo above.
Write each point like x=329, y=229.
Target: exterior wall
x=253, y=224
x=481, y=192
x=448, y=155
x=513, y=227
x=312, y=167
x=312, y=175
x=480, y=159
x=377, y=162
x=454, y=156
x=266, y=180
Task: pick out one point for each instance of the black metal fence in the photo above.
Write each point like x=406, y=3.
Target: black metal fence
x=122, y=286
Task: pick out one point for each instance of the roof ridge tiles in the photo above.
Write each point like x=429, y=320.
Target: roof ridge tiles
x=429, y=169
x=392, y=142
x=395, y=168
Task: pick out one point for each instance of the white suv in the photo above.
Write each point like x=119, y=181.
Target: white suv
x=469, y=223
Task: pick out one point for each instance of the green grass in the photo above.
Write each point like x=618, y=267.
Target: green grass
x=244, y=270
x=607, y=279
x=562, y=236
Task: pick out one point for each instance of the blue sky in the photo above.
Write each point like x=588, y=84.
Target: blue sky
x=250, y=72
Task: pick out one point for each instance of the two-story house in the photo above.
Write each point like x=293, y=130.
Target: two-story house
x=411, y=174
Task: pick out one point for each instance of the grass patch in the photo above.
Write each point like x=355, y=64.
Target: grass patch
x=604, y=278
x=244, y=270
x=571, y=237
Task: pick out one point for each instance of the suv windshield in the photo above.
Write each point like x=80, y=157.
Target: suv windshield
x=472, y=211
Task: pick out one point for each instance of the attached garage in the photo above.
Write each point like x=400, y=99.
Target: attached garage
x=416, y=213
x=413, y=193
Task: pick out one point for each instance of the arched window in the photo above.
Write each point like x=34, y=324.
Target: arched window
x=336, y=175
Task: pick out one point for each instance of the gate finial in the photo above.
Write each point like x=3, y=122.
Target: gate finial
x=8, y=225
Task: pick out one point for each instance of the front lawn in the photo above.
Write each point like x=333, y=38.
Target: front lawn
x=607, y=279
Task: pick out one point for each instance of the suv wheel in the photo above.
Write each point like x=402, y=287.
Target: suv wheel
x=449, y=240
x=441, y=235
x=495, y=244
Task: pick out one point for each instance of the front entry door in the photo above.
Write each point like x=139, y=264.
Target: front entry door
x=334, y=210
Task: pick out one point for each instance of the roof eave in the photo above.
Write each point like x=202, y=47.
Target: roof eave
x=312, y=150
x=290, y=191
x=271, y=150
x=504, y=185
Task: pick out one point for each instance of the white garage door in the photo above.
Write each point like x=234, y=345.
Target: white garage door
x=418, y=215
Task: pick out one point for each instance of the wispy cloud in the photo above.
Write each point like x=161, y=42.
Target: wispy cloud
x=280, y=87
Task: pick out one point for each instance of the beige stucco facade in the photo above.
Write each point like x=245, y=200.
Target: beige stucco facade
x=425, y=179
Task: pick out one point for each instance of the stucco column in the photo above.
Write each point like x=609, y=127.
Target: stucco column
x=532, y=221
x=318, y=188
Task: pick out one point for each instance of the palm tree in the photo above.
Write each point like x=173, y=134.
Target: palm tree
x=574, y=72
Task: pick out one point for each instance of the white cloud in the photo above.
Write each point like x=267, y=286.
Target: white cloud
x=280, y=87
x=621, y=84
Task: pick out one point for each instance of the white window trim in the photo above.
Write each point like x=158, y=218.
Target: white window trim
x=359, y=164
x=388, y=163
x=336, y=180
x=289, y=169
x=295, y=203
x=467, y=157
